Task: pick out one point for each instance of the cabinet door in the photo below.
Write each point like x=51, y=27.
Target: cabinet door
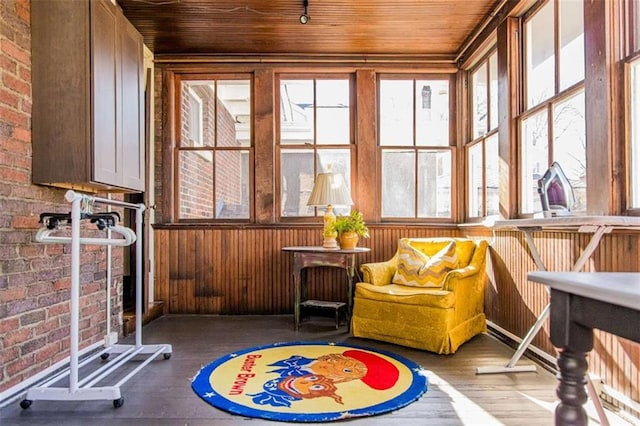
x=131, y=130
x=106, y=155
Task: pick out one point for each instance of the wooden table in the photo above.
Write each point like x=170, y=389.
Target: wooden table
x=310, y=257
x=581, y=302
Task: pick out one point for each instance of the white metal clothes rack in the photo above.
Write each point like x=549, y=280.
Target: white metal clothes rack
x=85, y=388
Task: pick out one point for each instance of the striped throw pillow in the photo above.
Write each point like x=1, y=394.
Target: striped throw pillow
x=419, y=270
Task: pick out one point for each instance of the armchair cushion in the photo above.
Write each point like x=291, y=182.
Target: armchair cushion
x=433, y=297
x=416, y=269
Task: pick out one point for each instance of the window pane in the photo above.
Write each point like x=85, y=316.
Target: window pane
x=479, y=101
x=434, y=184
x=398, y=183
x=197, y=109
x=540, y=57
x=635, y=132
x=297, y=170
x=233, y=113
x=195, y=170
x=571, y=43
x=296, y=112
x=396, y=112
x=194, y=121
x=333, y=112
x=493, y=91
x=569, y=147
x=232, y=184
x=492, y=175
x=339, y=160
x=534, y=160
x=432, y=112
x=476, y=189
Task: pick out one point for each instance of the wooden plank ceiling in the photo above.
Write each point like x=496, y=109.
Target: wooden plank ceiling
x=430, y=28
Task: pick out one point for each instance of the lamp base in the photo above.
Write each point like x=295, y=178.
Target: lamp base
x=330, y=243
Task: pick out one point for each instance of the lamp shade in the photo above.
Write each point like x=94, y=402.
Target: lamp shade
x=329, y=189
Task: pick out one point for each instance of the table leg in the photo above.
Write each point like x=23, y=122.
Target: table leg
x=297, y=286
x=574, y=341
x=571, y=389
x=350, y=275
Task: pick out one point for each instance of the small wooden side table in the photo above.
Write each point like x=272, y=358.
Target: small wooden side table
x=314, y=256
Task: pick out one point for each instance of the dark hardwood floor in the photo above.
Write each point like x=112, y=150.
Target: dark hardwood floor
x=161, y=394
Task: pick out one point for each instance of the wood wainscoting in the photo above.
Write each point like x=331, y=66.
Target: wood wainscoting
x=214, y=270
x=514, y=303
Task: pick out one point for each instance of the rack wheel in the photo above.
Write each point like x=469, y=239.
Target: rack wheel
x=166, y=356
x=25, y=403
x=117, y=403
x=104, y=356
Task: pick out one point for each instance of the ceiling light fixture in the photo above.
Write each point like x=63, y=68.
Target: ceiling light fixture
x=304, y=18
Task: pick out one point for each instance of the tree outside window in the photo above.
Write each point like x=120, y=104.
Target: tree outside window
x=552, y=126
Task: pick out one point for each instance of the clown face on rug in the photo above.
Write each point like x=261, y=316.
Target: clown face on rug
x=306, y=378
x=310, y=382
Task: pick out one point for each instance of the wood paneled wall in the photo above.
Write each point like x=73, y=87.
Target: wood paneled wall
x=218, y=270
x=205, y=270
x=514, y=303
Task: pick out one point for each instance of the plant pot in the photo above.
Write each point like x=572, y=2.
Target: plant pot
x=348, y=240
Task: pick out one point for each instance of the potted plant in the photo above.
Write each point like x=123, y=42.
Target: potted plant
x=349, y=229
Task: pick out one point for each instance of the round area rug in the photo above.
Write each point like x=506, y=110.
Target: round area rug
x=310, y=382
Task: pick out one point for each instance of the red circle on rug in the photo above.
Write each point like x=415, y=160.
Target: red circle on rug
x=381, y=374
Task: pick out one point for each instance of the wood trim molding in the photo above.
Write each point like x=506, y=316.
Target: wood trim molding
x=508, y=43
x=167, y=145
x=366, y=193
x=264, y=143
x=604, y=123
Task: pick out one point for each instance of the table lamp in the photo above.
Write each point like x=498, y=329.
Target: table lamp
x=329, y=190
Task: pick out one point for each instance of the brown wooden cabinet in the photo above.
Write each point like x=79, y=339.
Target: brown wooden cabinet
x=88, y=111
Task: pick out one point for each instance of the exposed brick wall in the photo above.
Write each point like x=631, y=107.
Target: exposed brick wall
x=34, y=278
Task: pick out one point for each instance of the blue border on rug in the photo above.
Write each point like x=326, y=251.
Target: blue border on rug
x=202, y=387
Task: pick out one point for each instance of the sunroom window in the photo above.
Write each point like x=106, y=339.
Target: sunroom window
x=482, y=149
x=632, y=81
x=214, y=149
x=634, y=115
x=417, y=160
x=552, y=125
x=315, y=135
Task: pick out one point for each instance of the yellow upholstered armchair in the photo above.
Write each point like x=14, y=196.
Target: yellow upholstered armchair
x=430, y=295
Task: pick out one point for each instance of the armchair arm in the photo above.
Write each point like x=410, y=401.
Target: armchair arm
x=378, y=273
x=454, y=279
x=467, y=284
x=460, y=277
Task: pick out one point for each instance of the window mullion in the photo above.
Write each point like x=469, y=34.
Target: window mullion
x=484, y=177
x=556, y=46
x=416, y=162
x=550, y=133
x=416, y=190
